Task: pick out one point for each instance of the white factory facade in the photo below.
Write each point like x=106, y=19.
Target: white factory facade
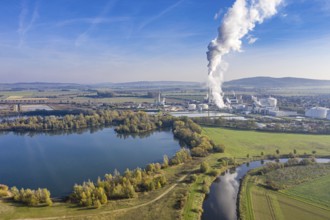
x=318, y=112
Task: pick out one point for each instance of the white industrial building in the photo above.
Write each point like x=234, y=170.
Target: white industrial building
x=192, y=107
x=203, y=107
x=279, y=113
x=268, y=102
x=318, y=112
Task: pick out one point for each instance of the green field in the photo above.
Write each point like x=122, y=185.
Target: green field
x=239, y=143
x=316, y=191
x=308, y=198
x=268, y=204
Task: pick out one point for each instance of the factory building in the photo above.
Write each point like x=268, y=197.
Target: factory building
x=203, y=107
x=159, y=101
x=317, y=112
x=192, y=107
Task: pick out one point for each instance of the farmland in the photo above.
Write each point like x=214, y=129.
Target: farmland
x=307, y=200
x=239, y=143
x=316, y=191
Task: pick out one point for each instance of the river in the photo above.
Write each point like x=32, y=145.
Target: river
x=221, y=203
x=59, y=160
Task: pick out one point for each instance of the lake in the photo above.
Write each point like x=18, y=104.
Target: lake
x=59, y=160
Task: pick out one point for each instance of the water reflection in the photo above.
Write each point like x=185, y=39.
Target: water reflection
x=58, y=160
x=90, y=130
x=221, y=203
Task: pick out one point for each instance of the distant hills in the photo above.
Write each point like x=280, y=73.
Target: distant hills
x=148, y=84
x=253, y=82
x=38, y=85
x=135, y=85
x=270, y=82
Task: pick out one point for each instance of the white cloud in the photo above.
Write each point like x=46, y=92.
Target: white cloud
x=24, y=28
x=251, y=39
x=218, y=14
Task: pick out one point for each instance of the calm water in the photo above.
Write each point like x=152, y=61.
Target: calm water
x=221, y=202
x=58, y=161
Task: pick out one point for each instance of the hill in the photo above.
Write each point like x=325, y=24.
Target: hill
x=270, y=82
x=148, y=84
x=124, y=85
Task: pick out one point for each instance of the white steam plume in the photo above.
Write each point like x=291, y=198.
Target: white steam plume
x=237, y=22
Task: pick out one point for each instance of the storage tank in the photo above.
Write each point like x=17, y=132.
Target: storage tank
x=205, y=106
x=328, y=117
x=191, y=107
x=317, y=112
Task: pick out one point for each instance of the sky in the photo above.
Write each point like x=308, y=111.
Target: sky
x=84, y=41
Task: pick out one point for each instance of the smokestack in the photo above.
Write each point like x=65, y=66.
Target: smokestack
x=239, y=20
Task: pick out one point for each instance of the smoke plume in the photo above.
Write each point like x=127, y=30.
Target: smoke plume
x=239, y=20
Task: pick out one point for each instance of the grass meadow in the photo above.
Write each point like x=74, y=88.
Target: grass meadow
x=239, y=143
x=308, y=198
x=316, y=191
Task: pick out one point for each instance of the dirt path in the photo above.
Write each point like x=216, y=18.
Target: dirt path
x=116, y=210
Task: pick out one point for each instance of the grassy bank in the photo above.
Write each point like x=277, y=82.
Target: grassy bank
x=193, y=207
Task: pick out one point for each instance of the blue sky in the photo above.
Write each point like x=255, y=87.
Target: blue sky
x=86, y=41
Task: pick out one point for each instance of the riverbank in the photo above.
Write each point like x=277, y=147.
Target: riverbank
x=305, y=196
x=247, y=146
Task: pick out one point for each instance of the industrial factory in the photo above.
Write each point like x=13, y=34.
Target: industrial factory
x=318, y=113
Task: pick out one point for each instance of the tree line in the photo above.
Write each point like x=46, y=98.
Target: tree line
x=31, y=197
x=190, y=133
x=127, y=122
x=116, y=186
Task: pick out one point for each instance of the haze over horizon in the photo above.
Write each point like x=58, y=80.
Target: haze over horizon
x=119, y=41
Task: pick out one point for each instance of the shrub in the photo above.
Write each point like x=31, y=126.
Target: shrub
x=192, y=178
x=214, y=172
x=219, y=148
x=204, y=167
x=205, y=189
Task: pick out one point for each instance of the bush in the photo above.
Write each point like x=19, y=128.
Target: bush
x=214, y=172
x=307, y=161
x=205, y=189
x=192, y=178
x=31, y=197
x=199, y=152
x=219, y=148
x=204, y=167
x=3, y=190
x=181, y=156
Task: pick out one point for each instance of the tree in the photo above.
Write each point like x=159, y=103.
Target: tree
x=277, y=151
x=97, y=204
x=204, y=167
x=294, y=151
x=192, y=178
x=205, y=189
x=165, y=161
